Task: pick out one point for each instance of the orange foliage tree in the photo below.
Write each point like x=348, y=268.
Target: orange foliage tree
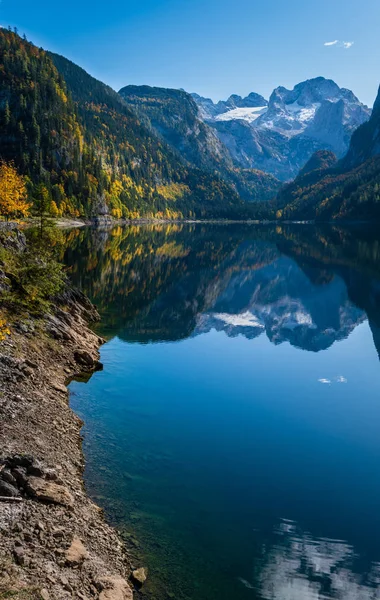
x=13, y=196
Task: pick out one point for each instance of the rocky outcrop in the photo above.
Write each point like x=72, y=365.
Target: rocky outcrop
x=54, y=542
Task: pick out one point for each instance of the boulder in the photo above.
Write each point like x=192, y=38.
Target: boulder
x=20, y=460
x=59, y=387
x=47, y=491
x=77, y=552
x=84, y=358
x=19, y=473
x=19, y=555
x=36, y=469
x=8, y=490
x=115, y=588
x=7, y=476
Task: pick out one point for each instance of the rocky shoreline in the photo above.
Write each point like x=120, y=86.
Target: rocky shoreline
x=54, y=541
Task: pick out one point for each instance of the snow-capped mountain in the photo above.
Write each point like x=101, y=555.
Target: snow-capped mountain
x=208, y=110
x=280, y=136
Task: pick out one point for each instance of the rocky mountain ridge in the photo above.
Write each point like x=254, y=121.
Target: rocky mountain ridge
x=279, y=136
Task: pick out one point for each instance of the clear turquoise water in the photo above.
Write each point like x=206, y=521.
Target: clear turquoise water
x=233, y=435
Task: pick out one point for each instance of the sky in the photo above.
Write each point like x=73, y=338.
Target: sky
x=212, y=47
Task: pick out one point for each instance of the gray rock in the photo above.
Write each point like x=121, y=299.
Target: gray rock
x=36, y=469
x=19, y=555
x=84, y=358
x=8, y=490
x=19, y=473
x=7, y=476
x=20, y=460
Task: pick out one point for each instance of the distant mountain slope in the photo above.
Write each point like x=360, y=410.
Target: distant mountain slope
x=320, y=162
x=174, y=116
x=347, y=190
x=191, y=191
x=280, y=136
x=76, y=136
x=365, y=142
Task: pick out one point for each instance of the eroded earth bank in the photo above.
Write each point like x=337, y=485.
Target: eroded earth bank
x=54, y=541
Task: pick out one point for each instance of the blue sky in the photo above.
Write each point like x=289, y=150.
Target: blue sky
x=213, y=47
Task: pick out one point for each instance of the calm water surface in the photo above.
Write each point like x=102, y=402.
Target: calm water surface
x=233, y=436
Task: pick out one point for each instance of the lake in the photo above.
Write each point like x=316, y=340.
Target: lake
x=233, y=435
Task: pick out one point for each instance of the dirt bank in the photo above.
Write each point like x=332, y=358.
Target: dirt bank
x=54, y=542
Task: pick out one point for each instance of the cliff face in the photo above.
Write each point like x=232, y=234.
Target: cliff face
x=365, y=142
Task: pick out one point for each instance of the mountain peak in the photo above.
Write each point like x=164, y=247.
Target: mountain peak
x=210, y=110
x=279, y=136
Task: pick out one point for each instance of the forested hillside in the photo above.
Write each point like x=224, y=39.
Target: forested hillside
x=75, y=137
x=347, y=190
x=174, y=117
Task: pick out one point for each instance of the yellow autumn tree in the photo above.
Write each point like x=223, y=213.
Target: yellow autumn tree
x=4, y=329
x=13, y=200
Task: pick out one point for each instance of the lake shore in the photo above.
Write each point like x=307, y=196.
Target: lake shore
x=54, y=541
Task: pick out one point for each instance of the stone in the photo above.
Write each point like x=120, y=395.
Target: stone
x=51, y=475
x=47, y=491
x=59, y=387
x=77, y=552
x=20, y=460
x=84, y=358
x=139, y=575
x=27, y=371
x=8, y=477
x=66, y=584
x=36, y=469
x=31, y=364
x=19, y=555
x=19, y=473
x=115, y=588
x=44, y=594
x=58, y=532
x=8, y=490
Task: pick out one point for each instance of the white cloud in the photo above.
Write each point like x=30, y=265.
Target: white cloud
x=322, y=380
x=345, y=45
x=341, y=379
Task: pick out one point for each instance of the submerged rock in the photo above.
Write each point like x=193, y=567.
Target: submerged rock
x=140, y=575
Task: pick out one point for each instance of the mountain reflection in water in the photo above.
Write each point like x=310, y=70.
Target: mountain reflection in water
x=305, y=285
x=210, y=439
x=298, y=567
